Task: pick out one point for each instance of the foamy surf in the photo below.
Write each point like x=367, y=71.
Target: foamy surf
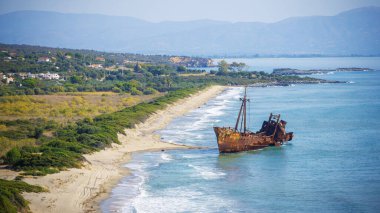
x=207, y=173
x=166, y=157
x=196, y=126
x=179, y=199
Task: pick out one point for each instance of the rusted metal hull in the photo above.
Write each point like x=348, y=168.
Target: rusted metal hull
x=272, y=132
x=230, y=140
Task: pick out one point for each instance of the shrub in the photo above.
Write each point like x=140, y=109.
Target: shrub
x=149, y=91
x=116, y=89
x=135, y=91
x=10, y=195
x=13, y=155
x=38, y=131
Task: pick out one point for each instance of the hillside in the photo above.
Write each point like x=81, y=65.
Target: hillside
x=354, y=32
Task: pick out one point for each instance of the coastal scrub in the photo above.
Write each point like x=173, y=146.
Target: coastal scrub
x=65, y=148
x=10, y=195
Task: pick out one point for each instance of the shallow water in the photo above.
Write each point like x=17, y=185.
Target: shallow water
x=333, y=163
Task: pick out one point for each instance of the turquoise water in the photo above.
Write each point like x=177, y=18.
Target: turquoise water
x=332, y=165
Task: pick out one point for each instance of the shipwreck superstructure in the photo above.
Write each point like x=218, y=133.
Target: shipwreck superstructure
x=239, y=138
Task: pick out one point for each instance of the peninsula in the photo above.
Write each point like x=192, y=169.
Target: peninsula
x=289, y=71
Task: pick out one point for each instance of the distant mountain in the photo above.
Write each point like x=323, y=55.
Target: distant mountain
x=355, y=32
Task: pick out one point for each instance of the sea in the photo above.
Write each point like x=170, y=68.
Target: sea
x=331, y=165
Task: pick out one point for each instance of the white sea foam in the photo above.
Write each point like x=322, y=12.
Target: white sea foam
x=166, y=157
x=127, y=190
x=179, y=199
x=191, y=156
x=138, y=166
x=203, y=118
x=202, y=155
x=207, y=173
x=134, y=195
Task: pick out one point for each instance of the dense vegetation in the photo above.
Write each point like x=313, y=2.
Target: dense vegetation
x=89, y=56
x=119, y=73
x=10, y=195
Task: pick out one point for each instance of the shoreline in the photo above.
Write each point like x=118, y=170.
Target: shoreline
x=82, y=189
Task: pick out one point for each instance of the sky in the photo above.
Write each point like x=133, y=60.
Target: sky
x=186, y=10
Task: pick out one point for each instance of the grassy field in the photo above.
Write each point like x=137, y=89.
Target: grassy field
x=66, y=107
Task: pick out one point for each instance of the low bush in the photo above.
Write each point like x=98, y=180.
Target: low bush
x=11, y=200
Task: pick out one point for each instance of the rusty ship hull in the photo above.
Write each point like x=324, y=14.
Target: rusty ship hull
x=230, y=141
x=272, y=133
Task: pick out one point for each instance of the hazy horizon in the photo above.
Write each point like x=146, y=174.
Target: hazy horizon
x=170, y=10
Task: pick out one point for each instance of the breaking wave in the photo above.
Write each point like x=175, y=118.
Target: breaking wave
x=166, y=157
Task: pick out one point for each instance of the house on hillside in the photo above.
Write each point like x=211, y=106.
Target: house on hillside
x=6, y=78
x=96, y=66
x=49, y=76
x=30, y=75
x=44, y=59
x=7, y=58
x=9, y=80
x=23, y=75
x=100, y=59
x=52, y=76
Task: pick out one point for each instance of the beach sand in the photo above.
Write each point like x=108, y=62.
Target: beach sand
x=81, y=190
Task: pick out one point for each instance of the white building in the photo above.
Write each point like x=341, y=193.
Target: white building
x=49, y=76
x=30, y=75
x=96, y=66
x=44, y=59
x=9, y=80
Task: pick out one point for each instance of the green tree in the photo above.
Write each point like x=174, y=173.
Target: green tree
x=131, y=84
x=223, y=66
x=237, y=66
x=149, y=91
x=135, y=91
x=181, y=69
x=109, y=62
x=13, y=155
x=30, y=82
x=137, y=68
x=57, y=89
x=76, y=79
x=116, y=89
x=38, y=131
x=78, y=56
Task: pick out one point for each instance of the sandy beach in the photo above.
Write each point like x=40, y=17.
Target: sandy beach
x=81, y=190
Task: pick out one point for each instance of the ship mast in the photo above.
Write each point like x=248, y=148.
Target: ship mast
x=243, y=108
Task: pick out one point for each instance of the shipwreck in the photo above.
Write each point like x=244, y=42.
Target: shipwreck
x=239, y=138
